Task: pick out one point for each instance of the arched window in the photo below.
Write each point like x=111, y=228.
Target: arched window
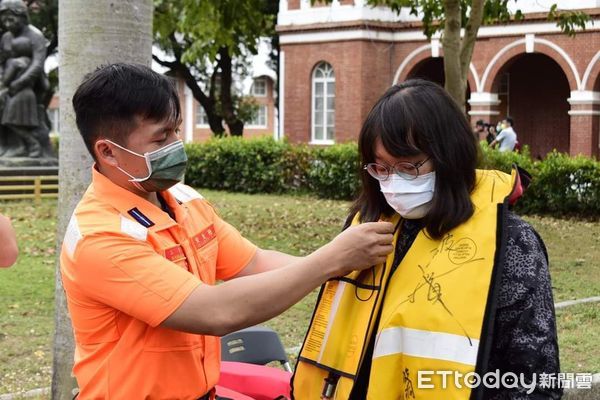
x=323, y=104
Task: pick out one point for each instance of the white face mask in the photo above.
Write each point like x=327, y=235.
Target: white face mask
x=411, y=199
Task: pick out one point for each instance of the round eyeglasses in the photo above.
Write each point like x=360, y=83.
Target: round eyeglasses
x=404, y=170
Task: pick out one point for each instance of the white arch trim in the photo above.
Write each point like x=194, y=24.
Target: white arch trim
x=567, y=58
x=588, y=70
x=476, y=77
x=408, y=59
x=421, y=49
x=494, y=60
x=545, y=42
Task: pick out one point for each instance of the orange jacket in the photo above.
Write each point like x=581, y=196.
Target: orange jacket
x=126, y=266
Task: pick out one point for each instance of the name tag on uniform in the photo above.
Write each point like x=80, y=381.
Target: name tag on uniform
x=175, y=253
x=202, y=239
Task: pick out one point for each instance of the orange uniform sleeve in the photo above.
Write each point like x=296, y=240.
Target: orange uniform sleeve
x=128, y=275
x=235, y=251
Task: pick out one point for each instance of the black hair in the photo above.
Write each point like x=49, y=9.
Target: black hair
x=114, y=98
x=414, y=117
x=480, y=123
x=510, y=121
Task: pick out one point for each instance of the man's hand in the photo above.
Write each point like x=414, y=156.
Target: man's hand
x=359, y=247
x=248, y=300
x=8, y=243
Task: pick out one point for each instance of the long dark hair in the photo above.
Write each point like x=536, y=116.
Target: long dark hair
x=414, y=117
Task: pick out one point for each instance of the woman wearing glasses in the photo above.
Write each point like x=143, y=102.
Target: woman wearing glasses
x=463, y=306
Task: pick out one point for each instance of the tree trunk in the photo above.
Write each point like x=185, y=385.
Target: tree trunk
x=236, y=126
x=108, y=31
x=458, y=52
x=470, y=38
x=456, y=85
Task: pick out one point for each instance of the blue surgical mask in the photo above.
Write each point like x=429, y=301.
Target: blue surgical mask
x=166, y=167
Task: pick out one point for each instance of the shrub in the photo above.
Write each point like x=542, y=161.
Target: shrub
x=503, y=161
x=561, y=184
x=295, y=166
x=238, y=165
x=567, y=185
x=333, y=171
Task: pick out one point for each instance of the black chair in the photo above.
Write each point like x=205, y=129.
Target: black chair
x=255, y=345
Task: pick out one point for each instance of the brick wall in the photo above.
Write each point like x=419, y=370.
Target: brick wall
x=581, y=126
x=362, y=73
x=540, y=84
x=538, y=92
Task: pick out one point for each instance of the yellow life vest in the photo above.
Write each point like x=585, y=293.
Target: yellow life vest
x=435, y=312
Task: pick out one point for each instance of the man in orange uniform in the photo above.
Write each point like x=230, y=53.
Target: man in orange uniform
x=142, y=253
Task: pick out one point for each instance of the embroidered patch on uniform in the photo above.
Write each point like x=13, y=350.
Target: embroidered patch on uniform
x=175, y=253
x=140, y=217
x=202, y=239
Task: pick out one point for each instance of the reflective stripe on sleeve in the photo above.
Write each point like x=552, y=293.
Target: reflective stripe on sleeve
x=133, y=229
x=184, y=193
x=72, y=236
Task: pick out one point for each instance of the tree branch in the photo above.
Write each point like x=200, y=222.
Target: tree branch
x=452, y=43
x=236, y=126
x=470, y=38
x=168, y=64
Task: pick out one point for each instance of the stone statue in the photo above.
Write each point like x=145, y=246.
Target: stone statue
x=24, y=130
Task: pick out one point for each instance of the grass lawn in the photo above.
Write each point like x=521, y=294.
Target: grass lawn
x=296, y=225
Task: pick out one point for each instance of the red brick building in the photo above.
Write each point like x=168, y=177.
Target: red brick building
x=337, y=60
x=195, y=126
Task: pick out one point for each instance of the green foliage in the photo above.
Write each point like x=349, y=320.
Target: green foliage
x=43, y=14
x=238, y=165
x=334, y=170
x=264, y=165
x=208, y=44
x=568, y=185
x=497, y=11
x=204, y=27
x=55, y=143
x=503, y=161
x=247, y=107
x=561, y=185
x=568, y=21
x=432, y=13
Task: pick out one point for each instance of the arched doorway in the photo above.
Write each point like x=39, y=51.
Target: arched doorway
x=432, y=69
x=533, y=90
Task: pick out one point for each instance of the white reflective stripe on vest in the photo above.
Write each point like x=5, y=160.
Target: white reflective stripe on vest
x=334, y=309
x=426, y=344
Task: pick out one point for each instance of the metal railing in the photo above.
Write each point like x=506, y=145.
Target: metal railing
x=28, y=187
